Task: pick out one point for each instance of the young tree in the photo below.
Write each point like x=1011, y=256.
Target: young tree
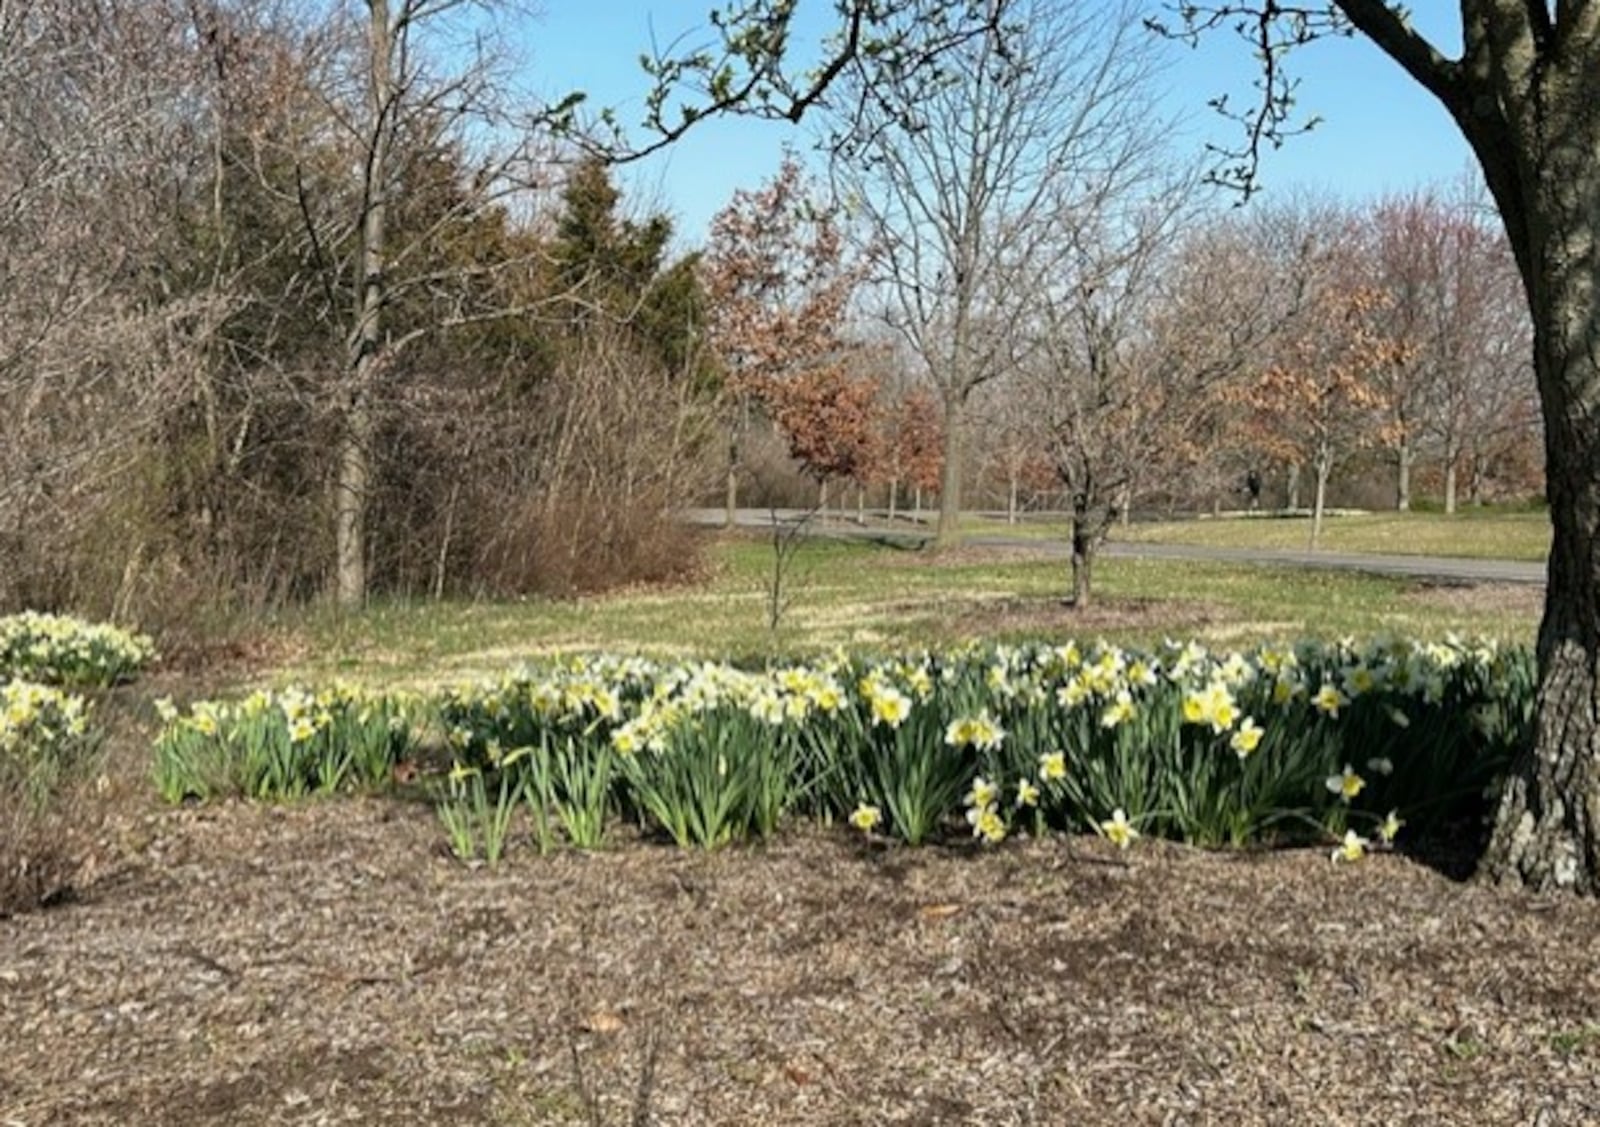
x=1525, y=93
x=1138, y=336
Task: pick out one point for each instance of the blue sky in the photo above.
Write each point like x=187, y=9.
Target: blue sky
x=1381, y=132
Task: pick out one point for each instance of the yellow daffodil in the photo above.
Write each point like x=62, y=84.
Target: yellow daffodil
x=983, y=793
x=1347, y=784
x=890, y=707
x=1119, y=711
x=987, y=824
x=1027, y=794
x=1246, y=739
x=1118, y=830
x=1329, y=700
x=1390, y=827
x=866, y=818
x=1352, y=848
x=1053, y=766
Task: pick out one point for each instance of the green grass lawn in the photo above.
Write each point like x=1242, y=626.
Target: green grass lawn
x=1479, y=534
x=877, y=597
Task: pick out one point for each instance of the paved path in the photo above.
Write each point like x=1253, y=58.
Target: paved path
x=1446, y=568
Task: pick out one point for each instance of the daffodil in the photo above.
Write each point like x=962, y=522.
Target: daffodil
x=890, y=707
x=1118, y=830
x=1053, y=766
x=1246, y=739
x=987, y=823
x=1352, y=848
x=1027, y=793
x=983, y=793
x=1346, y=784
x=1390, y=827
x=866, y=818
x=1119, y=711
x=1329, y=700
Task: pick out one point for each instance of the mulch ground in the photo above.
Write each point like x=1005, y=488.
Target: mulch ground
x=326, y=964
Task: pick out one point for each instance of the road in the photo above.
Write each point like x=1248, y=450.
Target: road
x=1443, y=568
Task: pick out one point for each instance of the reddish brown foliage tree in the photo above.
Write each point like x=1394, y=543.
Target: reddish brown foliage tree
x=778, y=287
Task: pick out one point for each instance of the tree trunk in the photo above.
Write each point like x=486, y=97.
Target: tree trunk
x=1011, y=497
x=916, y=513
x=861, y=504
x=1450, y=486
x=1323, y=467
x=1402, y=503
x=366, y=342
x=350, y=498
x=948, y=532
x=894, y=489
x=731, y=502
x=1293, y=488
x=1089, y=523
x=1547, y=833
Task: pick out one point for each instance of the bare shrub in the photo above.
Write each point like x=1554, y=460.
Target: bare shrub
x=575, y=490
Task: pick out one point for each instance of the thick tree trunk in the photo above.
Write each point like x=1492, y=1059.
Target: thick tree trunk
x=1547, y=834
x=1450, y=486
x=894, y=490
x=1292, y=487
x=948, y=532
x=1011, y=497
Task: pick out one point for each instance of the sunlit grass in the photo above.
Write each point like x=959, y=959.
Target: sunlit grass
x=1476, y=534
x=873, y=597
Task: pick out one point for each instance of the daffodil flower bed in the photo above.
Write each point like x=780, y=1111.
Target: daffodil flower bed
x=1332, y=743
x=62, y=650
x=44, y=737
x=283, y=745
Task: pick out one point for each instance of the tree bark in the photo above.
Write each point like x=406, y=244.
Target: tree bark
x=1292, y=489
x=730, y=504
x=1547, y=833
x=1089, y=524
x=366, y=342
x=1450, y=487
x=947, y=533
x=1323, y=467
x=1406, y=455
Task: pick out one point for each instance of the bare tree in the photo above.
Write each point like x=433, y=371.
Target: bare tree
x=955, y=186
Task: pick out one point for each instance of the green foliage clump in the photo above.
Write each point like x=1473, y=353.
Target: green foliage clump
x=45, y=740
x=282, y=745
x=61, y=650
x=1331, y=743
